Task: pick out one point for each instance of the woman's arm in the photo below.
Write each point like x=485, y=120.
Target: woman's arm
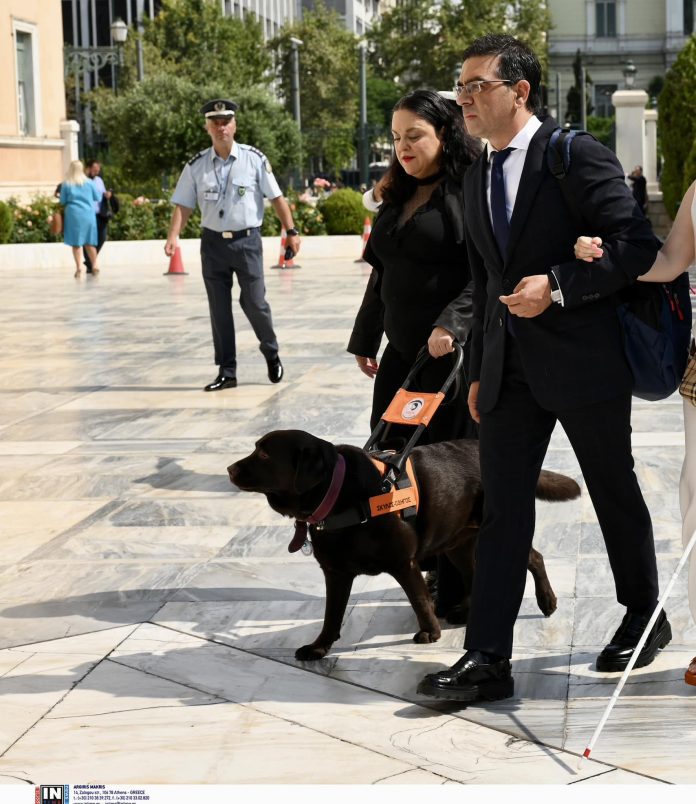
x=676, y=255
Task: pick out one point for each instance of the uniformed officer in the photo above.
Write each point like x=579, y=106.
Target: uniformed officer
x=229, y=181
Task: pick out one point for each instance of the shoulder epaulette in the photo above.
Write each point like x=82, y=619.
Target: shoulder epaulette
x=197, y=156
x=254, y=150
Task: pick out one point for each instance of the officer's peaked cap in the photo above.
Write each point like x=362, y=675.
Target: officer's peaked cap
x=219, y=108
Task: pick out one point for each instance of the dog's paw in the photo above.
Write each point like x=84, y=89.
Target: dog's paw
x=547, y=603
x=424, y=637
x=310, y=653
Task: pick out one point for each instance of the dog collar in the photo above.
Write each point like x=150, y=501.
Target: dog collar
x=324, y=507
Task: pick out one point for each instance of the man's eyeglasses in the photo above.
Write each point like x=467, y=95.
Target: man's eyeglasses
x=474, y=87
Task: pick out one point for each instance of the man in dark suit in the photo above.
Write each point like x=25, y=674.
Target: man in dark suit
x=546, y=347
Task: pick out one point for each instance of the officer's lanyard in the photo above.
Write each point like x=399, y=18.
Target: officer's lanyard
x=222, y=189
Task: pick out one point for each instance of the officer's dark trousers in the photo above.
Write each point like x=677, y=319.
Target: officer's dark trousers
x=514, y=438
x=221, y=258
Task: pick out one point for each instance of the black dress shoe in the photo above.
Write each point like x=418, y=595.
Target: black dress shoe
x=471, y=679
x=221, y=382
x=275, y=369
x=618, y=652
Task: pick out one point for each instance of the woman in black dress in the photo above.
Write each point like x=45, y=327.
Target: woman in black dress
x=419, y=290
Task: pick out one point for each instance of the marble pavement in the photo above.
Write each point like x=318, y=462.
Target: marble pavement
x=149, y=611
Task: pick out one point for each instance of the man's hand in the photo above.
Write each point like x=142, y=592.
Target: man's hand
x=368, y=365
x=170, y=246
x=473, y=401
x=293, y=242
x=530, y=298
x=440, y=342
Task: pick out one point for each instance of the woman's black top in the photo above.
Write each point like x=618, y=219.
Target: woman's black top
x=420, y=277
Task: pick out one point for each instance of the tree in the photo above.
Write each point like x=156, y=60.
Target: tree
x=328, y=61
x=421, y=43
x=677, y=127
x=156, y=125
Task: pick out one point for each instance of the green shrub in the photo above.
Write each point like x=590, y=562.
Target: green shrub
x=271, y=225
x=6, y=222
x=32, y=220
x=677, y=127
x=343, y=212
x=148, y=219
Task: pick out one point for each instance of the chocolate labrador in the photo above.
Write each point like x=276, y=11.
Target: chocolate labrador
x=299, y=474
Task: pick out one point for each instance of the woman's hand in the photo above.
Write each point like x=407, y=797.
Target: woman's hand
x=440, y=342
x=588, y=248
x=473, y=401
x=368, y=365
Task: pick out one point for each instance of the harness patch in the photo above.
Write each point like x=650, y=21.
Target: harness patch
x=403, y=495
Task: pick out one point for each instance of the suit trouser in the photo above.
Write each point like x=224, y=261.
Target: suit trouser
x=514, y=438
x=102, y=226
x=221, y=258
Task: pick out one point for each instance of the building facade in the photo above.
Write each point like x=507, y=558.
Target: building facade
x=35, y=139
x=609, y=33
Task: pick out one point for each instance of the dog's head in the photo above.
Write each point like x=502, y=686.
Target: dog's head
x=290, y=467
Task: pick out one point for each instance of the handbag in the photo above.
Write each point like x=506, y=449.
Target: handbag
x=104, y=212
x=687, y=387
x=56, y=224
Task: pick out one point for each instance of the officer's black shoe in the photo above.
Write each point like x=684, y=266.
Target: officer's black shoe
x=473, y=678
x=275, y=369
x=221, y=382
x=617, y=654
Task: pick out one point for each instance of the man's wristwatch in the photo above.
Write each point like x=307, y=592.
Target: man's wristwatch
x=292, y=232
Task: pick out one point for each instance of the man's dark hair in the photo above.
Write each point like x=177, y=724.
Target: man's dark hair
x=517, y=62
x=91, y=162
x=459, y=148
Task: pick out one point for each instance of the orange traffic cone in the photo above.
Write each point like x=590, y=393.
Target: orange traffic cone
x=176, y=265
x=283, y=260
x=367, y=230
x=281, y=256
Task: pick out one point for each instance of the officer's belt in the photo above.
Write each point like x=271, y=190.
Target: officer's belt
x=232, y=235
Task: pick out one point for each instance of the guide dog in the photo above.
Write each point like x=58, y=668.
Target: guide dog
x=299, y=475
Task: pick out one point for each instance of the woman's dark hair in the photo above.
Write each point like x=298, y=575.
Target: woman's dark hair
x=516, y=62
x=459, y=148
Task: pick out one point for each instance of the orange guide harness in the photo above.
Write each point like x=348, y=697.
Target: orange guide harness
x=398, y=495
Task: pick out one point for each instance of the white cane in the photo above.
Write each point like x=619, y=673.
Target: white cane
x=639, y=647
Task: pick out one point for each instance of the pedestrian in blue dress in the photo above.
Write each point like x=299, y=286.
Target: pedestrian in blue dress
x=77, y=195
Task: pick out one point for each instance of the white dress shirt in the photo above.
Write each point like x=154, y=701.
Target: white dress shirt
x=513, y=165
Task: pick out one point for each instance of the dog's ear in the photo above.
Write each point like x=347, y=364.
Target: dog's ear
x=312, y=465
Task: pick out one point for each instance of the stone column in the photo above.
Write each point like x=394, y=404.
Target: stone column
x=69, y=130
x=650, y=153
x=630, y=126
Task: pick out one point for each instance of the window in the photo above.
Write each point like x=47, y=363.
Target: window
x=689, y=17
x=606, y=17
x=602, y=99
x=26, y=103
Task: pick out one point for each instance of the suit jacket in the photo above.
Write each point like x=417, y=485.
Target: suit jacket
x=572, y=355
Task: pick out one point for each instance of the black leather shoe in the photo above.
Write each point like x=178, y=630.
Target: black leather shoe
x=221, y=382
x=471, y=679
x=618, y=652
x=275, y=369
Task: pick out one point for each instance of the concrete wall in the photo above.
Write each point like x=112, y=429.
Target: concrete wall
x=151, y=252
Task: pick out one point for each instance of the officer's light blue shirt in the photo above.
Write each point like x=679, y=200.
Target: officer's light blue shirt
x=234, y=187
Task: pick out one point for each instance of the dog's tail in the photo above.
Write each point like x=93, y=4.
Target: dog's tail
x=553, y=487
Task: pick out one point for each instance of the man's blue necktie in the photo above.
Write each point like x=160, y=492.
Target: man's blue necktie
x=501, y=225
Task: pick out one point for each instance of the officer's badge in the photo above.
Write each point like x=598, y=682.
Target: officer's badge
x=242, y=190
x=220, y=106
x=267, y=164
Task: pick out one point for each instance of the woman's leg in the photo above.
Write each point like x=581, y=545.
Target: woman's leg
x=76, y=252
x=92, y=254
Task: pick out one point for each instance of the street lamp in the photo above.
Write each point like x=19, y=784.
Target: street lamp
x=295, y=91
x=629, y=73
x=364, y=143
x=119, y=34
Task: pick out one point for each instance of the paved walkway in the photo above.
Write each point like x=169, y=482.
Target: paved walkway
x=149, y=611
